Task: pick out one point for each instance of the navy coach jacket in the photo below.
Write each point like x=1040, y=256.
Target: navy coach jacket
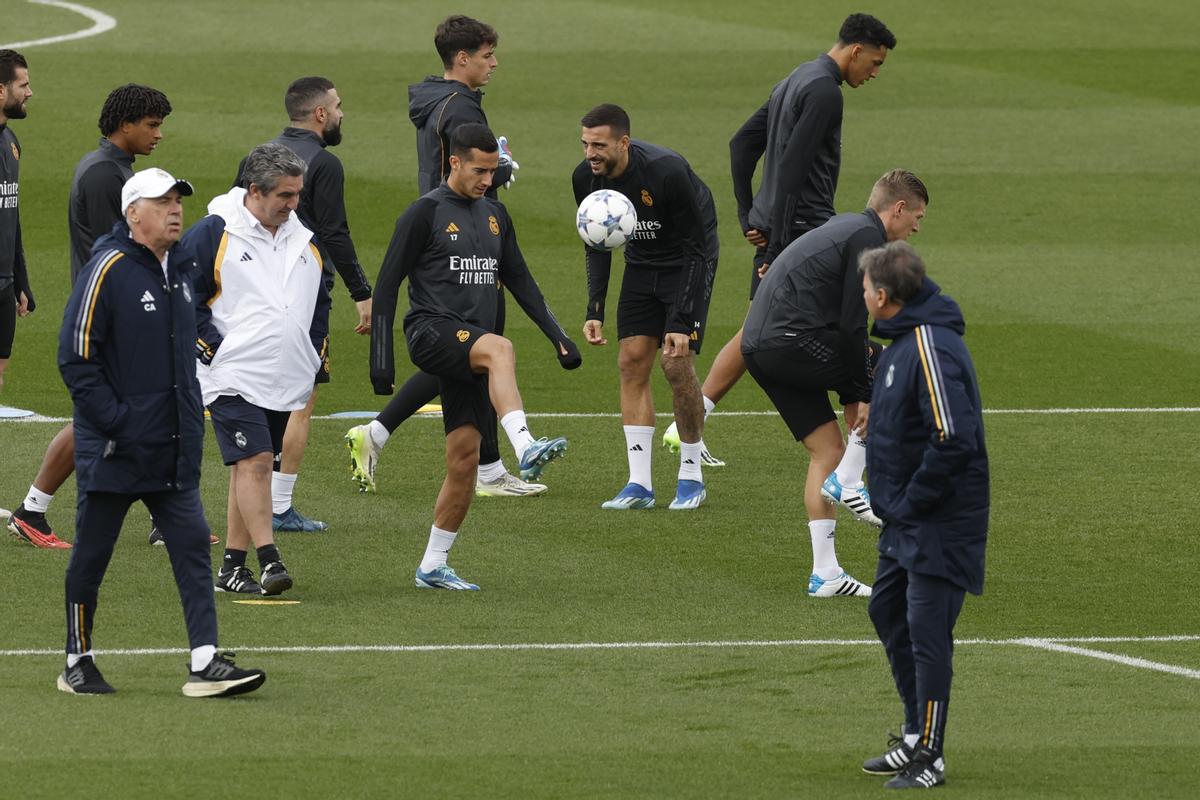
x=925, y=449
x=127, y=353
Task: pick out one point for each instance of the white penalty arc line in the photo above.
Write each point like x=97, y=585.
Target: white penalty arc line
x=101, y=23
x=668, y=414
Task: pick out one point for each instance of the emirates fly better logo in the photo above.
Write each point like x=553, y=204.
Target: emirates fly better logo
x=475, y=270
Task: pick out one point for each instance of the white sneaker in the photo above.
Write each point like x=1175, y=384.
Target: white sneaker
x=508, y=486
x=841, y=586
x=855, y=499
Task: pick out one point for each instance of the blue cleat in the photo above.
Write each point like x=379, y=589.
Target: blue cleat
x=292, y=521
x=690, y=494
x=841, y=586
x=443, y=577
x=853, y=498
x=539, y=454
x=634, y=495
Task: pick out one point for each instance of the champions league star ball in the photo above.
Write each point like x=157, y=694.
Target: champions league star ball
x=606, y=219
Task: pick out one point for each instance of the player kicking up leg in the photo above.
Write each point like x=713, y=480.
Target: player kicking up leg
x=455, y=245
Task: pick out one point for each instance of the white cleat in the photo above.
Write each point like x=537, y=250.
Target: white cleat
x=508, y=486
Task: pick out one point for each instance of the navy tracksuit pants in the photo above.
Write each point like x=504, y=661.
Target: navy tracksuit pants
x=180, y=517
x=914, y=616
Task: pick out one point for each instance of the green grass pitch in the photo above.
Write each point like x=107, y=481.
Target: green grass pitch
x=1058, y=143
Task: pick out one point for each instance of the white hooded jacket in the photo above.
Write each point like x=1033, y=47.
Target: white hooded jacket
x=264, y=337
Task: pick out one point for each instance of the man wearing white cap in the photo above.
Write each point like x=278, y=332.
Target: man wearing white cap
x=262, y=314
x=126, y=353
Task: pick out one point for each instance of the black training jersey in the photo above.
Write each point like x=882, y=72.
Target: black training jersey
x=676, y=229
x=454, y=252
x=95, y=202
x=814, y=288
x=12, y=252
x=323, y=208
x=798, y=132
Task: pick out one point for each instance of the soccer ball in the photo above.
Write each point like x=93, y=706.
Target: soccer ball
x=606, y=219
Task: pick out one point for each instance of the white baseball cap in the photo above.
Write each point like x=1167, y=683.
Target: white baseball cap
x=152, y=183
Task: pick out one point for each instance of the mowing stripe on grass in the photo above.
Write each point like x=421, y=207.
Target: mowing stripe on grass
x=1048, y=643
x=1129, y=661
x=668, y=414
x=101, y=24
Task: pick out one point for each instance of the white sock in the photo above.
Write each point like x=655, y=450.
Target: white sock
x=202, y=656
x=825, y=563
x=38, y=501
x=709, y=405
x=73, y=658
x=440, y=542
x=689, y=461
x=639, y=441
x=282, y=486
x=377, y=433
x=518, y=431
x=849, y=471
x=490, y=473
x=911, y=739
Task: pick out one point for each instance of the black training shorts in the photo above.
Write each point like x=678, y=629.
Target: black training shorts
x=799, y=382
x=8, y=320
x=647, y=301
x=444, y=349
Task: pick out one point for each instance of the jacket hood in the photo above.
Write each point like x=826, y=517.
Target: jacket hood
x=929, y=307
x=226, y=206
x=423, y=97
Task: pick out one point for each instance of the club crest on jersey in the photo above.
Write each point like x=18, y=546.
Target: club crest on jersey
x=16, y=152
x=493, y=225
x=891, y=376
x=646, y=198
x=463, y=335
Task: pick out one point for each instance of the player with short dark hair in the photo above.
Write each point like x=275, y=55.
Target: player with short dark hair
x=797, y=134
x=16, y=297
x=930, y=478
x=806, y=335
x=438, y=107
x=314, y=109
x=454, y=244
x=130, y=125
x=670, y=263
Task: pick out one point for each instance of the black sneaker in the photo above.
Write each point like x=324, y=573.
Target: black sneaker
x=83, y=678
x=239, y=580
x=897, y=756
x=223, y=678
x=925, y=771
x=156, y=536
x=275, y=578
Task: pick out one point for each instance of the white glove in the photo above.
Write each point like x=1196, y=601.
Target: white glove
x=506, y=157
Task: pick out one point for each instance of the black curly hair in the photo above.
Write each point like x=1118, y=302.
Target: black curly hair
x=132, y=103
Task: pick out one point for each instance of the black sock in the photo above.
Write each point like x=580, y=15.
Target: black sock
x=233, y=559
x=266, y=554
x=416, y=392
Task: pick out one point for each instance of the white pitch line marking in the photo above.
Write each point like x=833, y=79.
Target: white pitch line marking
x=667, y=414
x=101, y=23
x=519, y=646
x=1116, y=658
